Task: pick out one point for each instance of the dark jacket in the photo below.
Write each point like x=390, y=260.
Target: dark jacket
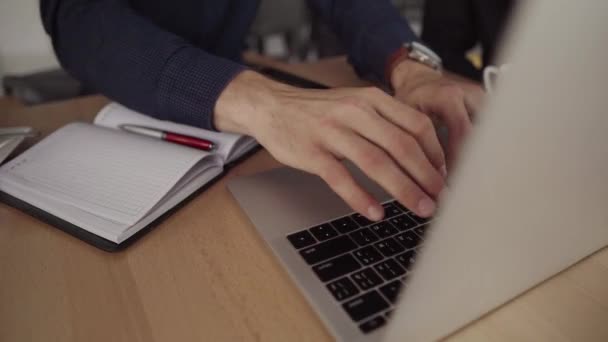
x=172, y=59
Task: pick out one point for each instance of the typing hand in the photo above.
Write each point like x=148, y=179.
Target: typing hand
x=395, y=145
x=451, y=100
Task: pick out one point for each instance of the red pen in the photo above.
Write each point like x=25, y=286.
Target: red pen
x=175, y=138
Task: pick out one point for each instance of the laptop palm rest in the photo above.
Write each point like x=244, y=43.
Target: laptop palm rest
x=284, y=200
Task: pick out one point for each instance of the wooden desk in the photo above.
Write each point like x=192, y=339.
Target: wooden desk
x=9, y=103
x=205, y=275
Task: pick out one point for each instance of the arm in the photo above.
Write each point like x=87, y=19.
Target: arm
x=107, y=45
x=371, y=30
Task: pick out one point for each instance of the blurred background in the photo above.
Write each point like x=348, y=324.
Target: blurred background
x=284, y=29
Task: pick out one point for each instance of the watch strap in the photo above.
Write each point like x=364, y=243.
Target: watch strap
x=405, y=52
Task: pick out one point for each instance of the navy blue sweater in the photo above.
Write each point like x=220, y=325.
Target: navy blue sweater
x=172, y=59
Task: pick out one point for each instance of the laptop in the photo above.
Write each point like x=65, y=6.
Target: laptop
x=527, y=200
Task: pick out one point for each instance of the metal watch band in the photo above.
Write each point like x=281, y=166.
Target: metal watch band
x=422, y=54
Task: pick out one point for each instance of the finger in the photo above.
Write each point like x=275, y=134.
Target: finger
x=402, y=147
x=343, y=184
x=416, y=123
x=378, y=166
x=456, y=118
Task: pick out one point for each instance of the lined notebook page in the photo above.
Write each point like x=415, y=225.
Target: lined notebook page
x=230, y=146
x=109, y=173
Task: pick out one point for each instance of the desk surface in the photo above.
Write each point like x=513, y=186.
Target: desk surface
x=204, y=274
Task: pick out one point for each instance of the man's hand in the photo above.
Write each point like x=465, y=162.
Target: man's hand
x=394, y=144
x=451, y=100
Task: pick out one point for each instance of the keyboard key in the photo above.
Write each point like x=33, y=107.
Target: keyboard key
x=327, y=249
x=403, y=222
x=391, y=210
x=389, y=269
x=383, y=229
x=342, y=288
x=345, y=225
x=324, y=232
x=364, y=236
x=391, y=290
x=301, y=239
x=361, y=220
x=406, y=259
x=408, y=239
x=367, y=255
x=401, y=207
x=337, y=267
x=372, y=324
x=389, y=247
x=365, y=306
x=421, y=220
x=366, y=279
x=420, y=230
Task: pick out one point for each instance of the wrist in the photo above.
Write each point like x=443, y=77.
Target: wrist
x=412, y=60
x=406, y=72
x=242, y=103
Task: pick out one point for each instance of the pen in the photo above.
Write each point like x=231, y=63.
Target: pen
x=175, y=138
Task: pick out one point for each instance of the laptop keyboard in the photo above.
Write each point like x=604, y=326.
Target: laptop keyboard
x=363, y=264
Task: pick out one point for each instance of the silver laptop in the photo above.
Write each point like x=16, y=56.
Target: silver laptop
x=528, y=199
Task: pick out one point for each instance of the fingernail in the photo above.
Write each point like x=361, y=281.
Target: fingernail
x=375, y=213
x=426, y=207
x=444, y=171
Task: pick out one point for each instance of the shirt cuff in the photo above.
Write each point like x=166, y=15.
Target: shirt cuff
x=190, y=84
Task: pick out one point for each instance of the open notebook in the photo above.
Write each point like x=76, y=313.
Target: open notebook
x=113, y=183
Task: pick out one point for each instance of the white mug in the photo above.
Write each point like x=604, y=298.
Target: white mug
x=490, y=75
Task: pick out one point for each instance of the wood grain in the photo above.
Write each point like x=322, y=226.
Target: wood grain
x=205, y=274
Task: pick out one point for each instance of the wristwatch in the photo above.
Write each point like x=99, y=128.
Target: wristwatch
x=422, y=54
